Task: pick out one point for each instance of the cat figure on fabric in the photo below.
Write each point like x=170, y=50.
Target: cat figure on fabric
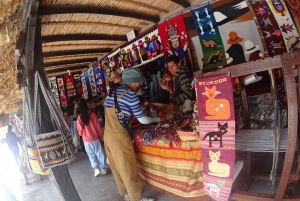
x=217, y=169
x=218, y=109
x=217, y=136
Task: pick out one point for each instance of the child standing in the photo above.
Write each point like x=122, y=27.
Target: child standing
x=89, y=128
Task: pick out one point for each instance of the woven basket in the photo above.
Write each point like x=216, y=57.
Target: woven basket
x=188, y=135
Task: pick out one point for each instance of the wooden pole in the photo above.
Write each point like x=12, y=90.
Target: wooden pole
x=60, y=173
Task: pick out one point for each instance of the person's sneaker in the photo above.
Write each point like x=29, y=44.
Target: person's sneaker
x=147, y=199
x=97, y=172
x=103, y=171
x=126, y=198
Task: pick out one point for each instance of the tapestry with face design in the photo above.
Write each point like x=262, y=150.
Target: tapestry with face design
x=70, y=85
x=78, y=84
x=174, y=38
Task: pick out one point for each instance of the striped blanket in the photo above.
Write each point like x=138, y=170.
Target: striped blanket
x=175, y=170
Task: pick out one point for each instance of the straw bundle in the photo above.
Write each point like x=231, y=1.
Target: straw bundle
x=51, y=48
x=10, y=96
x=66, y=66
x=70, y=57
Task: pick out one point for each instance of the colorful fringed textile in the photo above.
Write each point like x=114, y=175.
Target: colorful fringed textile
x=54, y=89
x=284, y=20
x=176, y=171
x=217, y=134
x=149, y=134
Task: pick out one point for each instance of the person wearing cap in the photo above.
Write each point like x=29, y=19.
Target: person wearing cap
x=117, y=139
x=181, y=83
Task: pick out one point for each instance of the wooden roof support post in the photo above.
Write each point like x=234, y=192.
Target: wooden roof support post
x=60, y=173
x=289, y=80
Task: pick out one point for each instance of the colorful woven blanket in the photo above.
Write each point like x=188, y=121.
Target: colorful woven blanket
x=176, y=171
x=217, y=134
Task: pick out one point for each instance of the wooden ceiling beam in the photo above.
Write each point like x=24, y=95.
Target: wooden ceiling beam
x=66, y=68
x=74, y=52
x=73, y=61
x=90, y=24
x=183, y=3
x=52, y=10
x=62, y=73
x=72, y=37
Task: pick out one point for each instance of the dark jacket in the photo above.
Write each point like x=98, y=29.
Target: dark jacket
x=182, y=86
x=11, y=139
x=236, y=52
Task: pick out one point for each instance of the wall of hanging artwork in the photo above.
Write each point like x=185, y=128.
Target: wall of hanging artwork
x=78, y=84
x=84, y=85
x=99, y=77
x=54, y=89
x=143, y=50
x=70, y=85
x=174, y=37
x=62, y=92
x=217, y=133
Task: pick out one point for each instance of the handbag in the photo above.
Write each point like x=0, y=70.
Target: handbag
x=57, y=147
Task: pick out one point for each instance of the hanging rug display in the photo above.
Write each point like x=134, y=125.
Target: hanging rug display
x=217, y=134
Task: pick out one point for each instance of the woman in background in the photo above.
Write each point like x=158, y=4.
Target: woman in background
x=89, y=128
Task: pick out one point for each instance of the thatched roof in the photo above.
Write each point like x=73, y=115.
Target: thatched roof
x=10, y=95
x=74, y=34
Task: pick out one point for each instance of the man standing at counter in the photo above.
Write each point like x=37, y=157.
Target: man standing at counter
x=121, y=104
x=181, y=82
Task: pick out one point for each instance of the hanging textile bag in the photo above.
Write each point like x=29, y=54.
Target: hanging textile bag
x=57, y=147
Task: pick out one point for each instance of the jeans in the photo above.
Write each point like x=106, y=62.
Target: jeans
x=96, y=153
x=15, y=151
x=70, y=119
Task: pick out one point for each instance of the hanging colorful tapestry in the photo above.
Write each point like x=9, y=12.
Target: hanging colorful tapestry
x=84, y=86
x=70, y=85
x=92, y=82
x=78, y=84
x=210, y=38
x=217, y=133
x=174, y=37
x=284, y=20
x=238, y=30
x=62, y=92
x=99, y=77
x=143, y=50
x=54, y=89
x=269, y=27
